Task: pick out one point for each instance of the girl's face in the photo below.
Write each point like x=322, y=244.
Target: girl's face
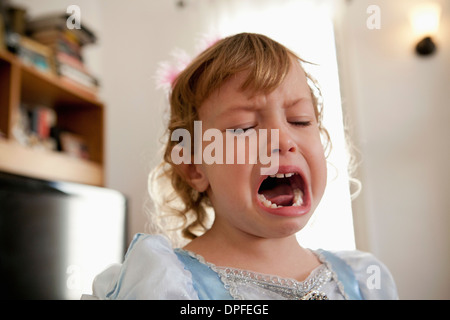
x=245, y=201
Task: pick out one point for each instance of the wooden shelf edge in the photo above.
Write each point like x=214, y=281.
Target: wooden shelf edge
x=47, y=165
x=8, y=56
x=72, y=89
x=76, y=90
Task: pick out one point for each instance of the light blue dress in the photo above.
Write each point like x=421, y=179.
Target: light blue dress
x=154, y=270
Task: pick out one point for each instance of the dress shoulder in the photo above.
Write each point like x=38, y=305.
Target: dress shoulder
x=374, y=278
x=151, y=270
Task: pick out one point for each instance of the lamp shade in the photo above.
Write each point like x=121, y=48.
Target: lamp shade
x=425, y=19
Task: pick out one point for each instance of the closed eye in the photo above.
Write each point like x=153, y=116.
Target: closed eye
x=300, y=123
x=240, y=130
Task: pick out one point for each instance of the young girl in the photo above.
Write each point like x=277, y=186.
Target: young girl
x=249, y=251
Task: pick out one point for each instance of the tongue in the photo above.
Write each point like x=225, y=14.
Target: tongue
x=281, y=195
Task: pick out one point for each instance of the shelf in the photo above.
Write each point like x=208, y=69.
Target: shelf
x=49, y=89
x=78, y=111
x=48, y=164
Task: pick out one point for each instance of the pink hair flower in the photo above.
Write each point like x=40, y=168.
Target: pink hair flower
x=168, y=72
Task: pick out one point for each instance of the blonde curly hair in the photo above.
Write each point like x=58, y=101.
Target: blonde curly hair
x=267, y=63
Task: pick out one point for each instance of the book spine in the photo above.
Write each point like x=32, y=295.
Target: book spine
x=65, y=47
x=64, y=58
x=77, y=76
x=42, y=119
x=35, y=59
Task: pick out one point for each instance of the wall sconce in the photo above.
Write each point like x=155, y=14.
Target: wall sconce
x=425, y=23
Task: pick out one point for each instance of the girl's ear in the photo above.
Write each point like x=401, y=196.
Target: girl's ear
x=194, y=176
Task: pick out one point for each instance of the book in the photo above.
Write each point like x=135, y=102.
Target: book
x=78, y=76
x=58, y=21
x=42, y=119
x=66, y=44
x=59, y=41
x=34, y=53
x=52, y=35
x=62, y=57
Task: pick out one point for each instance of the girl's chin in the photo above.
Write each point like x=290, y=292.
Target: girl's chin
x=284, y=230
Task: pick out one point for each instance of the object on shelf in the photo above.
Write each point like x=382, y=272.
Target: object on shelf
x=31, y=52
x=58, y=21
x=17, y=17
x=67, y=44
x=59, y=41
x=73, y=74
x=33, y=127
x=74, y=145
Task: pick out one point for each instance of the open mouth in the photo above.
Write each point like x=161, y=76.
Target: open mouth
x=282, y=190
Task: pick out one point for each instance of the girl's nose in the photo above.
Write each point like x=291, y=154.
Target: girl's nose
x=285, y=143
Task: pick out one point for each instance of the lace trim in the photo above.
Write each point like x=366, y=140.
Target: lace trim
x=285, y=287
x=333, y=274
x=288, y=288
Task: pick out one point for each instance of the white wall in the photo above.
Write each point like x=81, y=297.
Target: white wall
x=398, y=104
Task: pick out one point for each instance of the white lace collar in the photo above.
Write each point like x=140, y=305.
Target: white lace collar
x=242, y=283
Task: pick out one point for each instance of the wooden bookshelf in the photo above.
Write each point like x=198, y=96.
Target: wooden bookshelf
x=78, y=110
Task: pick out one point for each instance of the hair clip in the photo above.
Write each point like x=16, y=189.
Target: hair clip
x=167, y=71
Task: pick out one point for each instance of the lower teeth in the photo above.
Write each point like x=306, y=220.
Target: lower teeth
x=298, y=200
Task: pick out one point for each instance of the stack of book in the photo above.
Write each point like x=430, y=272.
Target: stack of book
x=67, y=44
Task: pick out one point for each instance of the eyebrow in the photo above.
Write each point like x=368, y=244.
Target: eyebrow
x=247, y=108
x=251, y=108
x=295, y=101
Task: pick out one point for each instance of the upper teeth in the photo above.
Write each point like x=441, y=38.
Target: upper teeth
x=282, y=175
